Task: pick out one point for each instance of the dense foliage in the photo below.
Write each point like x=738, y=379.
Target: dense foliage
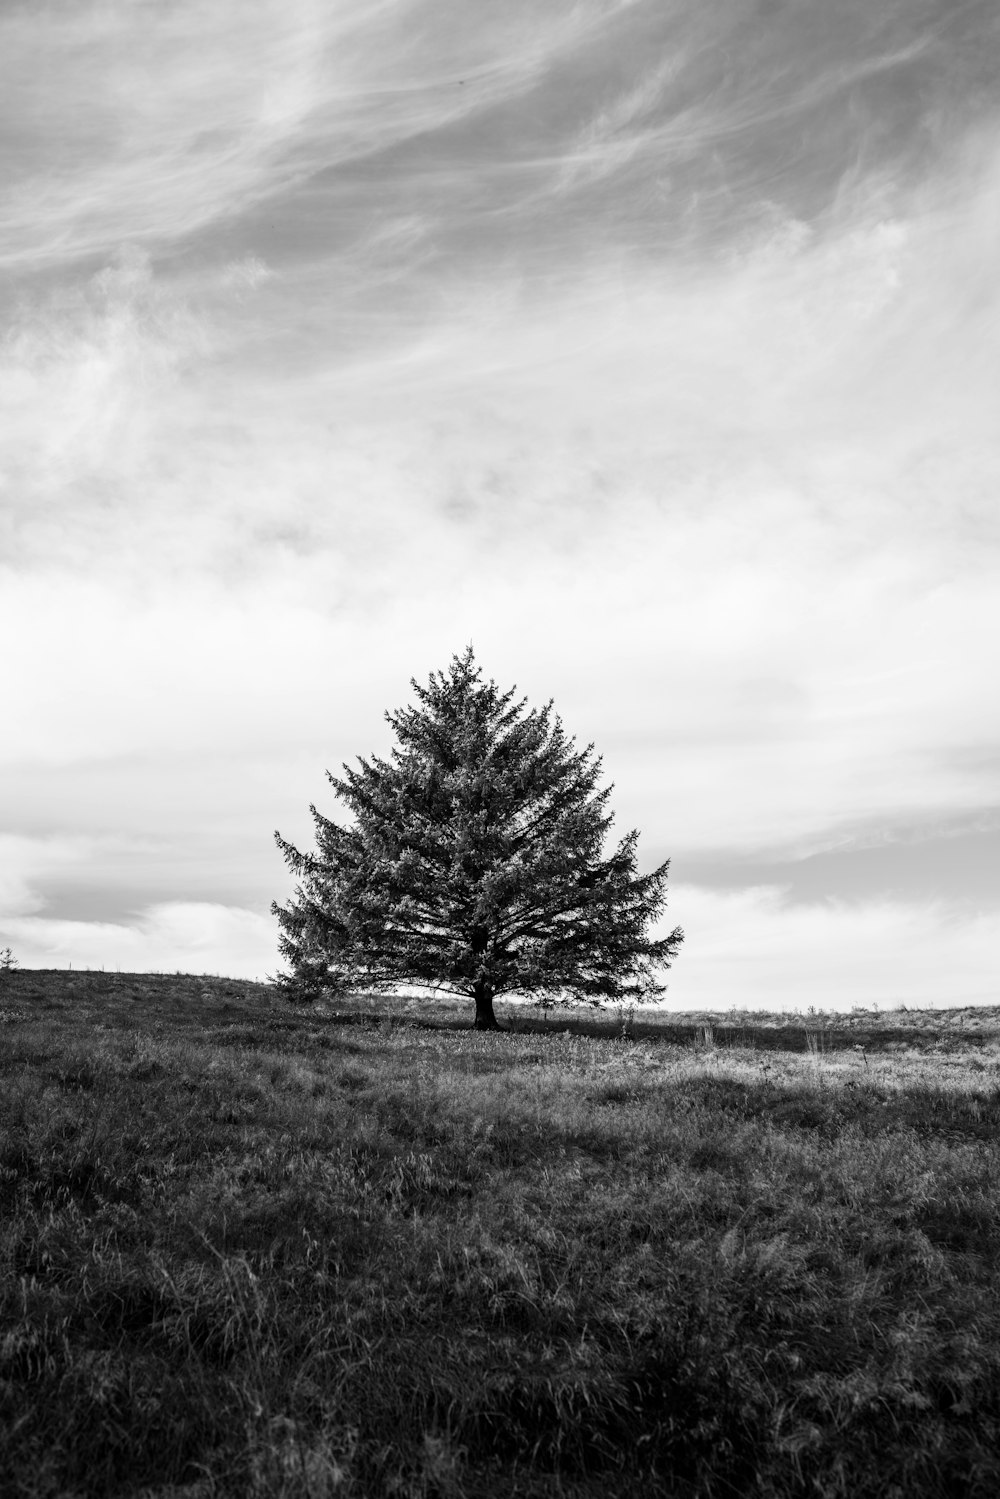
x=475, y=863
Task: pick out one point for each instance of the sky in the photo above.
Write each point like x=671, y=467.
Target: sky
x=651, y=346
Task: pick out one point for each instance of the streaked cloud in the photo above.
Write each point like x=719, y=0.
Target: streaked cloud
x=156, y=123
x=959, y=862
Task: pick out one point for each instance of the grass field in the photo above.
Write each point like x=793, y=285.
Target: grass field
x=253, y=1250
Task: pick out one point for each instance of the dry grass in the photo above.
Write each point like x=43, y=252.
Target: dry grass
x=253, y=1250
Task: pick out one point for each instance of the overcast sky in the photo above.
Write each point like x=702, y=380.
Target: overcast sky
x=652, y=346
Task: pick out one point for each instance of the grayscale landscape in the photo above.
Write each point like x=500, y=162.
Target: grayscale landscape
x=499, y=749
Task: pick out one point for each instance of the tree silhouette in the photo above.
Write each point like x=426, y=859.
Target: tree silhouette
x=474, y=862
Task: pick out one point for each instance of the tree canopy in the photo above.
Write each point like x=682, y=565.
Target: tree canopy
x=474, y=862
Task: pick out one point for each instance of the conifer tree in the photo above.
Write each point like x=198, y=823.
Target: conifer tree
x=474, y=863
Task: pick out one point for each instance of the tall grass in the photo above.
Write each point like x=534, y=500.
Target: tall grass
x=254, y=1251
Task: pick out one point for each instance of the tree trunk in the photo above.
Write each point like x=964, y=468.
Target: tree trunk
x=485, y=1018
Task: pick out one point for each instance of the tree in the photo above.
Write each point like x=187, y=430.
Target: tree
x=474, y=863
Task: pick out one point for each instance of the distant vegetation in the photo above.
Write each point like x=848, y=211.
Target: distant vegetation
x=248, y=1249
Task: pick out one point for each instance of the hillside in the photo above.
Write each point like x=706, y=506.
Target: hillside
x=190, y=999
x=253, y=1249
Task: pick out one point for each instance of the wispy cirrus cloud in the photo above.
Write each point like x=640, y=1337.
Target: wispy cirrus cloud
x=153, y=120
x=157, y=123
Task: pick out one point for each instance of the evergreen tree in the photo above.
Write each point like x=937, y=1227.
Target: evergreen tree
x=474, y=863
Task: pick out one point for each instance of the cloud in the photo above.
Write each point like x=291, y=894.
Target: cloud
x=22, y=860
x=158, y=123
x=245, y=275
x=312, y=125
x=86, y=376
x=749, y=949
x=186, y=937
x=958, y=860
x=404, y=375
x=153, y=121
x=705, y=513
x=32, y=865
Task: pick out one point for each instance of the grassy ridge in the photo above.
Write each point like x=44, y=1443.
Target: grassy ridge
x=252, y=1250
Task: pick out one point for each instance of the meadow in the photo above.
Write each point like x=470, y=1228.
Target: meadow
x=251, y=1249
